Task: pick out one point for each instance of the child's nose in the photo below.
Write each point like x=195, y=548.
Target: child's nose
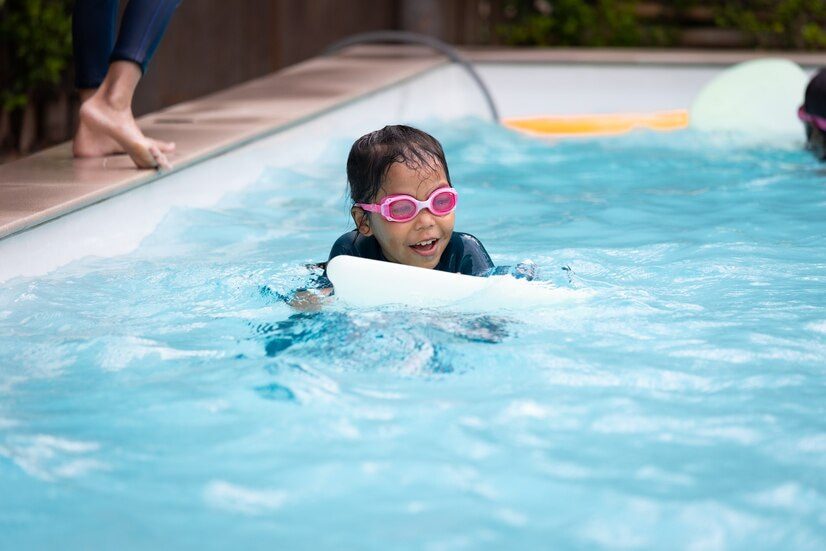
x=425, y=219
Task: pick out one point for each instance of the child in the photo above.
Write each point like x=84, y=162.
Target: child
x=404, y=205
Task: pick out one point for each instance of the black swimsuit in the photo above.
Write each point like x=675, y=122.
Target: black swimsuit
x=464, y=253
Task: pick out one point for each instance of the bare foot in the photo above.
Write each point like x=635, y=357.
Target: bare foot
x=105, y=130
x=88, y=143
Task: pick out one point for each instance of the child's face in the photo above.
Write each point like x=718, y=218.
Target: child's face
x=401, y=241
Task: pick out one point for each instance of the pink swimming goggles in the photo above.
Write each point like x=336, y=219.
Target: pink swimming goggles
x=403, y=208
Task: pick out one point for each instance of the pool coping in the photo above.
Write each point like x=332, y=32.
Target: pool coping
x=634, y=56
x=51, y=183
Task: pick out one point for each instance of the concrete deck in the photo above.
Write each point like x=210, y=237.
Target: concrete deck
x=52, y=183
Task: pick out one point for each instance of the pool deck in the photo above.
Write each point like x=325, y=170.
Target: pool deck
x=51, y=183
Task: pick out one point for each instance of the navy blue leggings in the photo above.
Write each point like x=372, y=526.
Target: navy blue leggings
x=93, y=34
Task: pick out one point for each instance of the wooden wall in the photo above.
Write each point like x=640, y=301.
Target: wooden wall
x=212, y=44
x=467, y=22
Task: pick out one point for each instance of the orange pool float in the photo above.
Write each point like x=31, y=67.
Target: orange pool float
x=598, y=125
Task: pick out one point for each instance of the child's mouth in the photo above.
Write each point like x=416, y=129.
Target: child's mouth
x=426, y=247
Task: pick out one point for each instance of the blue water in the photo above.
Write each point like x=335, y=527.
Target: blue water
x=676, y=399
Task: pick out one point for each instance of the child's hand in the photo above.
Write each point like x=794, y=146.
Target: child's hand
x=311, y=300
x=525, y=270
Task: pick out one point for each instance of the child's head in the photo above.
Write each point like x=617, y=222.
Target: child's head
x=400, y=160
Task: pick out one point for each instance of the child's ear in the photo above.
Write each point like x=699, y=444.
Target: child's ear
x=362, y=221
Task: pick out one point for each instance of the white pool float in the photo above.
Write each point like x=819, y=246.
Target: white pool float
x=759, y=97
x=369, y=283
x=364, y=282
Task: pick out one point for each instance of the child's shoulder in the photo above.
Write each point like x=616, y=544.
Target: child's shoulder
x=466, y=238
x=467, y=242
x=346, y=239
x=352, y=243
x=465, y=255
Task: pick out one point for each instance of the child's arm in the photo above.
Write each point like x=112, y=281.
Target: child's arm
x=320, y=288
x=315, y=295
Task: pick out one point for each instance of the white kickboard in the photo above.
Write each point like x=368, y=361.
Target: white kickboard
x=363, y=282
x=759, y=97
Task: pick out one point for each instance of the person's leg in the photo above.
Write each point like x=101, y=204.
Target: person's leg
x=106, y=121
x=143, y=25
x=93, y=39
x=109, y=113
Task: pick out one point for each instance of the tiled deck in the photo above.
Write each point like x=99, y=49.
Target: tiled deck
x=51, y=183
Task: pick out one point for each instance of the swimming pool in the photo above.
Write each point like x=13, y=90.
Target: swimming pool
x=160, y=393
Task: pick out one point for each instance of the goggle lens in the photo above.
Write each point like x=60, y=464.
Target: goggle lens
x=443, y=203
x=402, y=209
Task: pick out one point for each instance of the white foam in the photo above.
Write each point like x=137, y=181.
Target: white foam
x=527, y=408
x=50, y=457
x=512, y=517
x=121, y=351
x=239, y=499
x=728, y=355
x=667, y=429
x=346, y=429
x=813, y=444
x=785, y=496
x=817, y=326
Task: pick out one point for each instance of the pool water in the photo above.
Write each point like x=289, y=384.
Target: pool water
x=674, y=398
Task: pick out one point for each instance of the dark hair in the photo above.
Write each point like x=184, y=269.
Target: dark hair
x=372, y=155
x=815, y=104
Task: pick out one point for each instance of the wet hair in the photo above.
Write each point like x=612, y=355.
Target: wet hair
x=373, y=154
x=815, y=104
